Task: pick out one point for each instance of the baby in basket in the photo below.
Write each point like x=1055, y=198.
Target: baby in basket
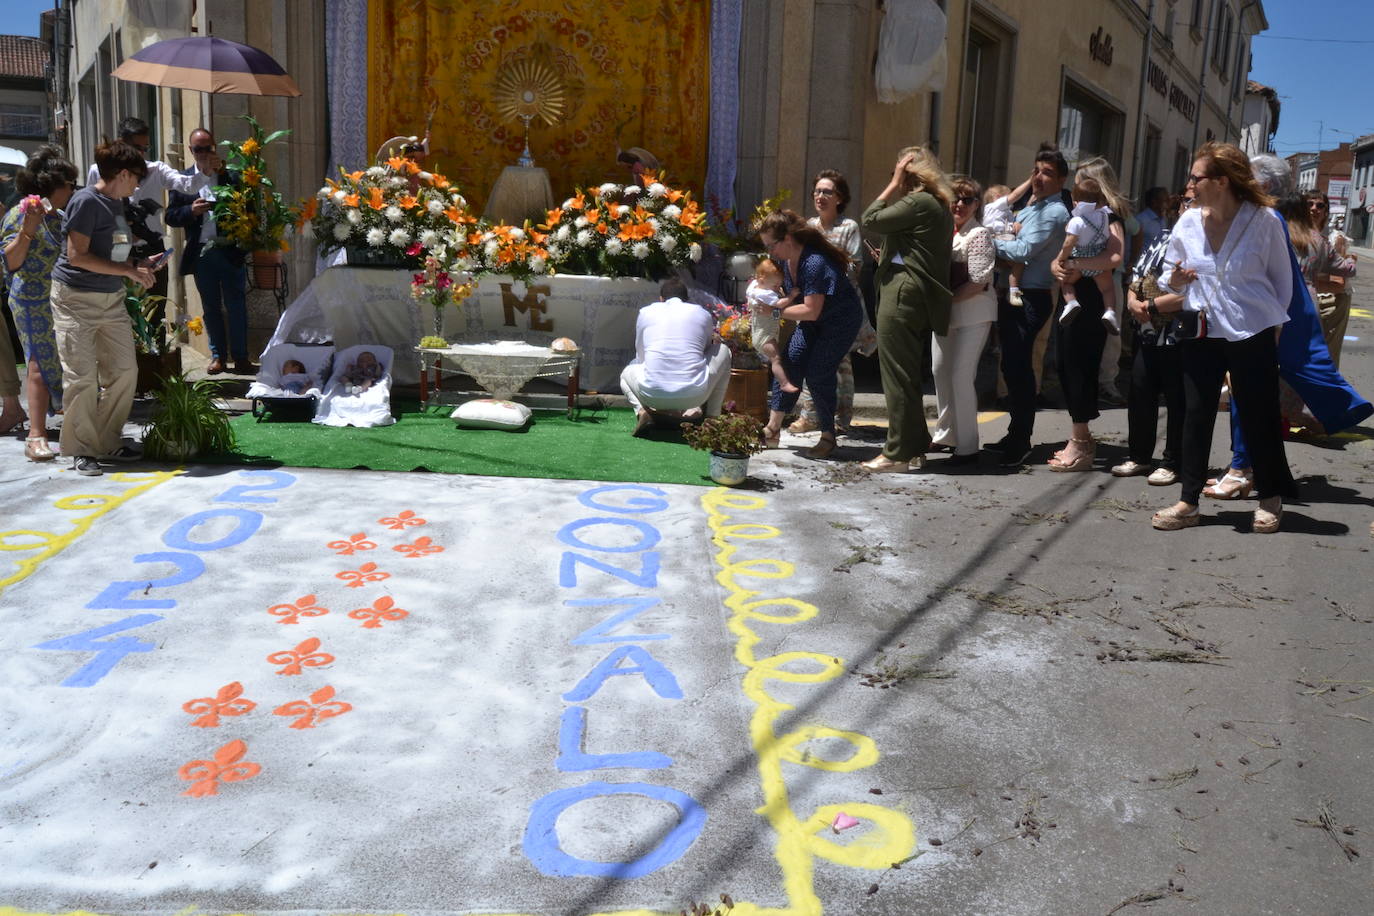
x=361, y=375
x=294, y=378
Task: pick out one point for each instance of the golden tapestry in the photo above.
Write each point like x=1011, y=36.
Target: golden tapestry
x=634, y=72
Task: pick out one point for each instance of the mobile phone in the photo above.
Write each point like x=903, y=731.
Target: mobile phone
x=158, y=260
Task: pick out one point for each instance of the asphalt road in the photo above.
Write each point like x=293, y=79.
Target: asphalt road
x=615, y=700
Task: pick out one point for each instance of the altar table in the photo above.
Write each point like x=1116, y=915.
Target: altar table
x=364, y=305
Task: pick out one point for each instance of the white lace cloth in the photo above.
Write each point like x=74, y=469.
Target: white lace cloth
x=504, y=367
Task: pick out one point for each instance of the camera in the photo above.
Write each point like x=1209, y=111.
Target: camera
x=149, y=242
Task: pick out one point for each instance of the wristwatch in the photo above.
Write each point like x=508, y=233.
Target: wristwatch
x=1152, y=309
x=777, y=312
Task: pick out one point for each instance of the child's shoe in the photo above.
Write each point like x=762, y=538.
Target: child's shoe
x=1112, y=323
x=1070, y=311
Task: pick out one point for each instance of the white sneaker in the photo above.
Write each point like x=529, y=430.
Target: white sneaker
x=1070, y=311
x=1129, y=469
x=1162, y=477
x=1112, y=323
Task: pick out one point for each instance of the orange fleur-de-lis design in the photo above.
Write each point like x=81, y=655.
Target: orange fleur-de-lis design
x=422, y=547
x=321, y=705
x=304, y=655
x=401, y=521
x=206, y=775
x=352, y=545
x=292, y=613
x=357, y=578
x=228, y=702
x=382, y=609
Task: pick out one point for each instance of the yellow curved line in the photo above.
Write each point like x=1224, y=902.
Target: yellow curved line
x=94, y=505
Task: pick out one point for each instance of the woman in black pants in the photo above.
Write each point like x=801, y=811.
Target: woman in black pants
x=1233, y=269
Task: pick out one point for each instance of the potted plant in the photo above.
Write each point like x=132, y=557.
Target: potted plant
x=187, y=420
x=155, y=336
x=730, y=438
x=249, y=213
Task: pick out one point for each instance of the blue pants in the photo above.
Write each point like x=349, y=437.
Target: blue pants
x=1016, y=332
x=222, y=285
x=1305, y=363
x=813, y=356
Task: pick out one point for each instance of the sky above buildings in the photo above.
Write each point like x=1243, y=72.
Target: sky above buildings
x=1314, y=55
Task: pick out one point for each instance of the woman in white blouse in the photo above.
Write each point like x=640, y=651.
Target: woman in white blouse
x=1228, y=256
x=955, y=355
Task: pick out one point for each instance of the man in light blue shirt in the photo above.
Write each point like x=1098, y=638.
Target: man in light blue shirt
x=1036, y=245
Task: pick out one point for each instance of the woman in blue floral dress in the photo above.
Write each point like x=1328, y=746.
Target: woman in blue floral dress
x=31, y=237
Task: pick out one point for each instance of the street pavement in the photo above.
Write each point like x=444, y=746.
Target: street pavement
x=967, y=692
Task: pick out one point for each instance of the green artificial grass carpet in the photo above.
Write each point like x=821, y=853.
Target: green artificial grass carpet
x=594, y=445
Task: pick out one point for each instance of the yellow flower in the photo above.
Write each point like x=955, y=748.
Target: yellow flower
x=195, y=326
x=252, y=176
x=250, y=147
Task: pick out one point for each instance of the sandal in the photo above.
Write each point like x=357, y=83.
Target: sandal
x=1231, y=485
x=885, y=465
x=17, y=425
x=1267, y=516
x=36, y=448
x=1171, y=519
x=1084, y=461
x=822, y=448
x=768, y=441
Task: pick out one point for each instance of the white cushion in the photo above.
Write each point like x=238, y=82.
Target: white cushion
x=489, y=413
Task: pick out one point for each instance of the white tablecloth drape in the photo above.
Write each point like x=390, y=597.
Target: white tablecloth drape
x=359, y=305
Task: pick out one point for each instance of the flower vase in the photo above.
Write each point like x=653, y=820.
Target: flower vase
x=439, y=319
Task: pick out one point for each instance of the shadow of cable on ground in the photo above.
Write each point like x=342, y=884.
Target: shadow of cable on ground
x=1002, y=540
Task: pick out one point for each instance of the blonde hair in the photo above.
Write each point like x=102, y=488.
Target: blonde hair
x=994, y=192
x=923, y=173
x=1101, y=171
x=767, y=271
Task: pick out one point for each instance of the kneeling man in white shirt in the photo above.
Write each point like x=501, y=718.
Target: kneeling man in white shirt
x=681, y=367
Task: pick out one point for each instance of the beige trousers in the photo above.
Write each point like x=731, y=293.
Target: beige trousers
x=9, y=376
x=95, y=342
x=1335, y=319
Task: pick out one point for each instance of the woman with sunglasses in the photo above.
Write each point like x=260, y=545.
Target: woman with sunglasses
x=830, y=195
x=1229, y=260
x=32, y=239
x=972, y=312
x=1321, y=263
x=94, y=336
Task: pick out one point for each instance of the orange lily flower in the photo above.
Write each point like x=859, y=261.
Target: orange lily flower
x=375, y=199
x=350, y=200
x=408, y=202
x=356, y=176
x=674, y=195
x=553, y=217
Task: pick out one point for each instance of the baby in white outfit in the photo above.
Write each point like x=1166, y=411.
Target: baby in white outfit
x=1086, y=237
x=764, y=296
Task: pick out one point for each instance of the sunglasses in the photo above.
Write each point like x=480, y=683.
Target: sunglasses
x=1318, y=205
x=202, y=149
x=970, y=201
x=825, y=192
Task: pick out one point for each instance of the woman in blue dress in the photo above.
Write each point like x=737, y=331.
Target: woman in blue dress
x=828, y=313
x=31, y=237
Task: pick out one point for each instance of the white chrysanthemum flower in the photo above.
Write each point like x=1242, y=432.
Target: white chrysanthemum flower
x=537, y=264
x=614, y=246
x=640, y=250
x=555, y=252
x=672, y=211
x=563, y=232
x=667, y=242
x=657, y=190
x=396, y=181
x=342, y=231
x=339, y=196
x=632, y=190
x=517, y=234
x=375, y=237
x=694, y=252
x=621, y=210
x=394, y=213
x=567, y=204
x=610, y=190
x=353, y=216
x=584, y=238
x=324, y=193
x=491, y=248
x=399, y=237
x=653, y=224
x=435, y=206
x=376, y=171
x=429, y=238
x=580, y=222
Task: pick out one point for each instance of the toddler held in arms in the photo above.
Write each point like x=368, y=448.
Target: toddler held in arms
x=360, y=376
x=998, y=219
x=294, y=377
x=1086, y=237
x=764, y=296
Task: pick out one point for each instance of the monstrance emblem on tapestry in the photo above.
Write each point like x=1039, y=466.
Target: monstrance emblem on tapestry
x=526, y=90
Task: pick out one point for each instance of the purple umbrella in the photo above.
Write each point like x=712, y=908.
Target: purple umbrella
x=208, y=65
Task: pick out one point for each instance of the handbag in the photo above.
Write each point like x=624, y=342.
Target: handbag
x=1194, y=325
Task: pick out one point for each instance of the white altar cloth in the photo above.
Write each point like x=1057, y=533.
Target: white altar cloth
x=356, y=305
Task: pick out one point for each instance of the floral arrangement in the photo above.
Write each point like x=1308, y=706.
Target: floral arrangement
x=435, y=284
x=396, y=210
x=616, y=231
x=730, y=434
x=251, y=215
x=153, y=330
x=520, y=251
x=735, y=326
x=730, y=233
